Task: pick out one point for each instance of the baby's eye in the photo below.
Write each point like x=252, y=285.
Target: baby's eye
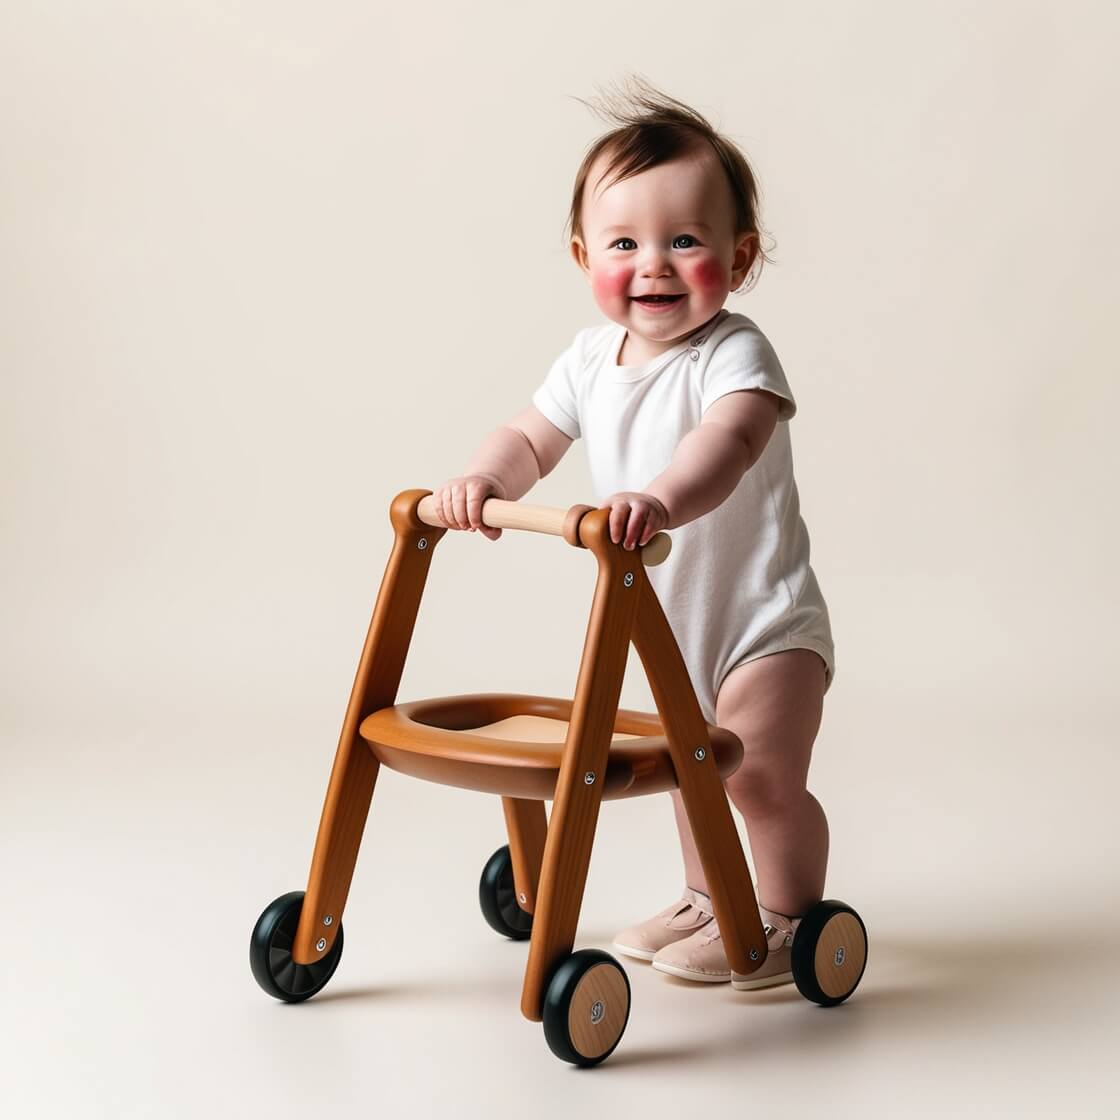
x=618, y=239
x=685, y=237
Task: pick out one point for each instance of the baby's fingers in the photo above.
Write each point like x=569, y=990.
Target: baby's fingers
x=476, y=495
x=447, y=507
x=620, y=514
x=635, y=527
x=451, y=500
x=462, y=518
x=656, y=520
x=439, y=499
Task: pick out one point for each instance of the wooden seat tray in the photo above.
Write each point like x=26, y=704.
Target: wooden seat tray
x=512, y=744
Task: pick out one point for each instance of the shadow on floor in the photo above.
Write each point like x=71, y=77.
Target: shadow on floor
x=925, y=987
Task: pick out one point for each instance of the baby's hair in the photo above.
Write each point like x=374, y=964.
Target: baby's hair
x=654, y=128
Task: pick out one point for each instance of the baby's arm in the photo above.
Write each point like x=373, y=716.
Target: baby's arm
x=508, y=463
x=711, y=459
x=506, y=456
x=504, y=465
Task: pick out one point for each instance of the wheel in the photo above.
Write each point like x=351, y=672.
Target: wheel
x=829, y=953
x=496, y=896
x=270, y=953
x=586, y=1007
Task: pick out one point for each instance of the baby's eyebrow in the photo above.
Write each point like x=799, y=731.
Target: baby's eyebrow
x=689, y=222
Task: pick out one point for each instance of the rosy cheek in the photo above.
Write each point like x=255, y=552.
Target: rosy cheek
x=610, y=284
x=708, y=275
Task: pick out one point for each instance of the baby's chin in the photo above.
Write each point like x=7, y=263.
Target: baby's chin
x=663, y=326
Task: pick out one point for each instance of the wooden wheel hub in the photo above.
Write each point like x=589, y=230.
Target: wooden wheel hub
x=841, y=953
x=597, y=1013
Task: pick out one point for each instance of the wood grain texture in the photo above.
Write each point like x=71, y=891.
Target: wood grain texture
x=500, y=514
x=529, y=749
x=705, y=800
x=598, y=1010
x=512, y=744
x=527, y=830
x=354, y=773
x=841, y=952
x=575, y=809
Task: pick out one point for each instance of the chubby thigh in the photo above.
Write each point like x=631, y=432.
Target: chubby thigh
x=774, y=705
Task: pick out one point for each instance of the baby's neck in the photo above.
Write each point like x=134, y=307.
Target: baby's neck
x=626, y=355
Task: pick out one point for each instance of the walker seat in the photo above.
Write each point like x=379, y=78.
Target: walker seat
x=530, y=749
x=513, y=745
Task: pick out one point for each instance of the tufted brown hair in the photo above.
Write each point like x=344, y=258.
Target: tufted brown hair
x=653, y=128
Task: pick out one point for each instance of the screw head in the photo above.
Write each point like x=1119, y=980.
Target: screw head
x=589, y=778
x=701, y=754
x=321, y=944
x=597, y=1010
x=422, y=543
x=754, y=954
x=628, y=579
x=328, y=919
x=521, y=897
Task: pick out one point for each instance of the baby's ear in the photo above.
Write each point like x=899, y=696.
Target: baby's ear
x=746, y=253
x=579, y=253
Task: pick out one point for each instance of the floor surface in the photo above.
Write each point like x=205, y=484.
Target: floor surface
x=132, y=888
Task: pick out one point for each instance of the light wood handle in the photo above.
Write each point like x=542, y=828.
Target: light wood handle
x=500, y=514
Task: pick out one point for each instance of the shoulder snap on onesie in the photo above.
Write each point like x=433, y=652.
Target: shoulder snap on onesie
x=737, y=584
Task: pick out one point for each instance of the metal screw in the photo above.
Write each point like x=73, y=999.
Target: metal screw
x=589, y=778
x=628, y=579
x=327, y=919
x=754, y=954
x=422, y=543
x=521, y=897
x=597, y=1010
x=321, y=944
x=701, y=754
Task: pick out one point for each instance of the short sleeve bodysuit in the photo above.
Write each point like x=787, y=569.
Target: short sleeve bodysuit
x=737, y=584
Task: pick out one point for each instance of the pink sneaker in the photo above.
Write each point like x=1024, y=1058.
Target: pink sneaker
x=699, y=957
x=775, y=970
x=683, y=919
x=702, y=956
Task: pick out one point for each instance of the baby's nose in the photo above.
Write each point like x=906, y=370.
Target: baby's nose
x=656, y=263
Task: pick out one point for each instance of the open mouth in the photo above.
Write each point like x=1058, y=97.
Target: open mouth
x=658, y=301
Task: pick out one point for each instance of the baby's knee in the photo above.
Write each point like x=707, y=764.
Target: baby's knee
x=764, y=790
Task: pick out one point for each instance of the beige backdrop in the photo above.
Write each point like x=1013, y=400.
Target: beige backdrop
x=263, y=266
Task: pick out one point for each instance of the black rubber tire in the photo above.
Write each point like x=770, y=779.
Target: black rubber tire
x=803, y=953
x=270, y=953
x=558, y=995
x=497, y=898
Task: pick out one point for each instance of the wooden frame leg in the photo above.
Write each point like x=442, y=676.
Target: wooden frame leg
x=527, y=829
x=705, y=800
x=579, y=785
x=336, y=849
x=355, y=769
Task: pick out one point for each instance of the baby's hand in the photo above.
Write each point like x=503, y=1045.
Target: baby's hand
x=635, y=517
x=459, y=502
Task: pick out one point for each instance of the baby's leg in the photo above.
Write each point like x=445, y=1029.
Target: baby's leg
x=774, y=705
x=694, y=876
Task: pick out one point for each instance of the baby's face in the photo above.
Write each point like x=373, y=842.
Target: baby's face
x=667, y=230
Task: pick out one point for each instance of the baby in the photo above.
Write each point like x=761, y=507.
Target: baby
x=684, y=410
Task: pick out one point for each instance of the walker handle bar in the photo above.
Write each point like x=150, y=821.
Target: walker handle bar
x=500, y=514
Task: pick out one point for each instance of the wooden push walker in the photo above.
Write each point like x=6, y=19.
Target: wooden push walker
x=528, y=750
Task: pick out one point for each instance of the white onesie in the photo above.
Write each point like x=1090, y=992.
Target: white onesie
x=737, y=584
